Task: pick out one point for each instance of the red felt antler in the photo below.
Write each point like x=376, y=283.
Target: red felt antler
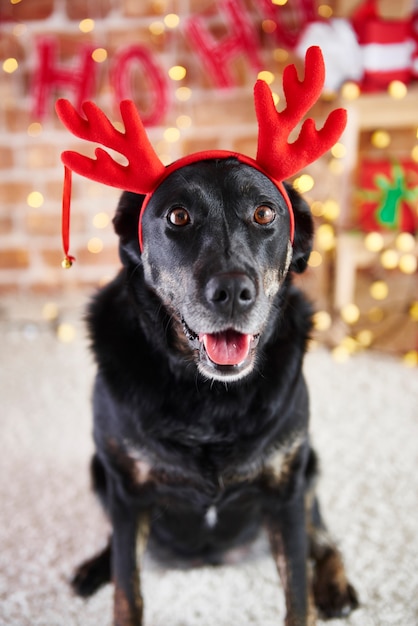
x=144, y=167
x=278, y=157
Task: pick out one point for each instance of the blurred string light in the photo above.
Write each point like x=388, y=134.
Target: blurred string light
x=379, y=290
x=183, y=121
x=380, y=139
x=156, y=28
x=172, y=20
x=397, y=89
x=183, y=94
x=325, y=237
x=303, y=183
x=410, y=359
x=34, y=129
x=350, y=313
x=177, y=72
x=86, y=26
x=95, y=245
x=350, y=91
x=269, y=26
x=35, y=199
x=322, y=320
x=99, y=55
x=325, y=11
x=267, y=76
x=10, y=65
x=66, y=333
x=315, y=259
x=101, y=220
x=171, y=134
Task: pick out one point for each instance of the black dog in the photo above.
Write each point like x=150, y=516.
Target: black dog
x=201, y=409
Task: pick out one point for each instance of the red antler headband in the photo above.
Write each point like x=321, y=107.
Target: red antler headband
x=276, y=158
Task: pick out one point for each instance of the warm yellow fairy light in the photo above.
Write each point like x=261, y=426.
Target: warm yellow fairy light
x=380, y=139
x=331, y=210
x=338, y=150
x=350, y=344
x=267, y=76
x=414, y=154
x=95, y=245
x=15, y=1
x=304, y=183
x=413, y=311
x=276, y=98
x=19, y=29
x=177, y=72
x=279, y=3
x=410, y=359
x=365, y=337
x=269, y=26
x=315, y=259
x=322, y=321
x=379, y=290
x=50, y=311
x=350, y=313
x=101, y=220
x=405, y=242
x=86, y=26
x=171, y=134
x=325, y=11
x=389, y=259
x=35, y=199
x=34, y=129
x=336, y=167
x=66, y=333
x=317, y=209
x=156, y=28
x=10, y=65
x=374, y=242
x=325, y=237
x=350, y=91
x=408, y=263
x=183, y=94
x=99, y=55
x=171, y=20
x=280, y=55
x=340, y=354
x=397, y=89
x=376, y=314
x=184, y=121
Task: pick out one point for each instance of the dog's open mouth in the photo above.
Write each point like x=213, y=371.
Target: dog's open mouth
x=226, y=355
x=227, y=348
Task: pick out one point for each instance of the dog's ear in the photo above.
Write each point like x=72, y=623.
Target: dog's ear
x=304, y=231
x=125, y=223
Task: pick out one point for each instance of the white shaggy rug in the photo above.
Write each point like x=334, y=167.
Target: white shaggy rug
x=365, y=427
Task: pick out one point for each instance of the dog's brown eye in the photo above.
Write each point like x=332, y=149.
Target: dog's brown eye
x=264, y=215
x=178, y=217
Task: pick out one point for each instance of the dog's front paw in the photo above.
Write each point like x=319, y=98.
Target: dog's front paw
x=334, y=595
x=92, y=574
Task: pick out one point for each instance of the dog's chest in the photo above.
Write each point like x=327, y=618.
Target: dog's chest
x=206, y=472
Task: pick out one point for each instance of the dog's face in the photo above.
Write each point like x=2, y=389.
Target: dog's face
x=216, y=253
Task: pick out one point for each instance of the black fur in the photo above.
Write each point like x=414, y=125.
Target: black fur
x=199, y=454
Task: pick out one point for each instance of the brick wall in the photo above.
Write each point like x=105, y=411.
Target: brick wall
x=30, y=146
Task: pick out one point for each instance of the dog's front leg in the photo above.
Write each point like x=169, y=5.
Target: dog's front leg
x=288, y=540
x=128, y=604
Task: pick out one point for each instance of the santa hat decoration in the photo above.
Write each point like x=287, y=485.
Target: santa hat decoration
x=276, y=157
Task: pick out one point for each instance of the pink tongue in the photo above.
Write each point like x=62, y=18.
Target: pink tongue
x=227, y=348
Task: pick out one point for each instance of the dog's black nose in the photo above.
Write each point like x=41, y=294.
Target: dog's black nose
x=230, y=293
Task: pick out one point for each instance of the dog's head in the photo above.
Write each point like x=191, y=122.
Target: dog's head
x=216, y=253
